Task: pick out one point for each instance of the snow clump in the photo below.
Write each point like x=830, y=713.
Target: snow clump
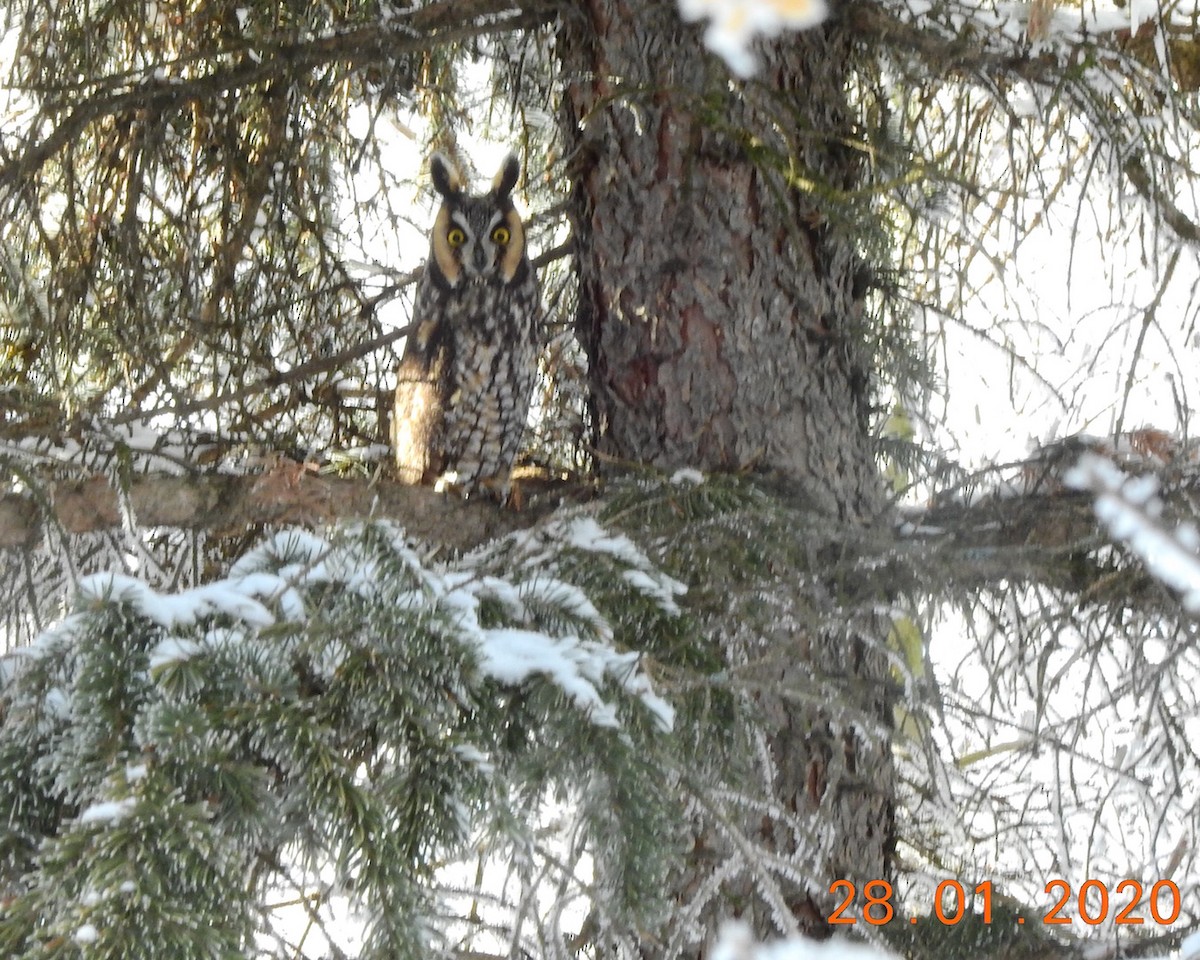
x=734, y=24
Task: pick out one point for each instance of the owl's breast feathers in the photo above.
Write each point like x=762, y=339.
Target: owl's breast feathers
x=465, y=381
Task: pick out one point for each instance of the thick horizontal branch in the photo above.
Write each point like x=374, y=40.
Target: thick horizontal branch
x=1049, y=539
x=1036, y=539
x=285, y=494
x=1058, y=521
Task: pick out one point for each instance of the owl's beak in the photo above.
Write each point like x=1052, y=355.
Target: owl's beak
x=479, y=262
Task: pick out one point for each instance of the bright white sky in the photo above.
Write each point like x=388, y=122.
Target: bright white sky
x=1076, y=321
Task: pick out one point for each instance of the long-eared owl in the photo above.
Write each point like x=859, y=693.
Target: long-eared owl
x=470, y=363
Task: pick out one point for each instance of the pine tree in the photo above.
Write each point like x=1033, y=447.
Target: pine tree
x=254, y=686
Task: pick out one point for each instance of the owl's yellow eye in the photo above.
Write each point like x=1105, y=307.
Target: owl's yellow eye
x=501, y=235
x=456, y=238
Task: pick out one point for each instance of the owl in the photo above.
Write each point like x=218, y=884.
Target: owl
x=470, y=362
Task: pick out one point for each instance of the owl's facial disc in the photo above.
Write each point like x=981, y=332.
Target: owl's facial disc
x=478, y=255
x=476, y=242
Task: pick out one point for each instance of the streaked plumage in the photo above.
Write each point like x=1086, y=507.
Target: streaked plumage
x=469, y=367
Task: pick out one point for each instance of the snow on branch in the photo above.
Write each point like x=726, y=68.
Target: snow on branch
x=350, y=702
x=521, y=617
x=574, y=633
x=734, y=24
x=1131, y=510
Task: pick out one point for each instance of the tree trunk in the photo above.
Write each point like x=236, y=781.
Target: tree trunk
x=718, y=303
x=718, y=308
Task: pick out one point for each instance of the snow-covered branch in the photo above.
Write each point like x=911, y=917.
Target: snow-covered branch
x=343, y=706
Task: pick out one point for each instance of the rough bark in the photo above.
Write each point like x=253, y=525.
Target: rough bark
x=719, y=310
x=719, y=314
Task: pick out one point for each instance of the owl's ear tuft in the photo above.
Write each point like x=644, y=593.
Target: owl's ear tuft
x=446, y=179
x=506, y=176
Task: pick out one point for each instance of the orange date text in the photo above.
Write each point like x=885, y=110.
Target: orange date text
x=1092, y=904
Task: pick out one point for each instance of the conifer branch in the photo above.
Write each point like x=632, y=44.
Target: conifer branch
x=262, y=61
